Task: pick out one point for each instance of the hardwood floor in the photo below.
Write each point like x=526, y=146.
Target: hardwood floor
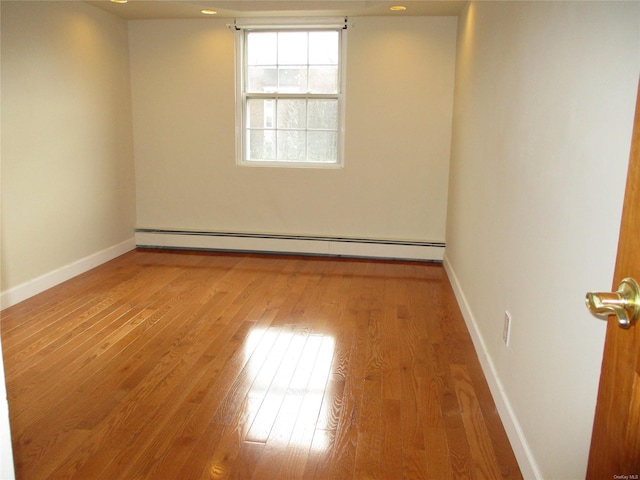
x=192, y=365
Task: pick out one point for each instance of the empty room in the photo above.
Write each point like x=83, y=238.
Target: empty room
x=319, y=239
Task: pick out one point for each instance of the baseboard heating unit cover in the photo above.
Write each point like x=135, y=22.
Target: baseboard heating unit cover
x=296, y=244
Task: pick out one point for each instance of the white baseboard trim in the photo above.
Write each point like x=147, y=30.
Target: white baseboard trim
x=350, y=247
x=28, y=289
x=521, y=449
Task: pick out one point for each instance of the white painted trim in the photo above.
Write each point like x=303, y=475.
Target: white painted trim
x=7, y=469
x=32, y=287
x=521, y=449
x=291, y=244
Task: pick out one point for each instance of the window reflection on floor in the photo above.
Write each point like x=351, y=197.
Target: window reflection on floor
x=289, y=370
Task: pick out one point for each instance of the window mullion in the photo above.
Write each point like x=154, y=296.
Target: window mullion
x=292, y=96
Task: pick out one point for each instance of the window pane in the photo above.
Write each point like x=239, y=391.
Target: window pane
x=262, y=48
x=292, y=145
x=292, y=80
x=262, y=80
x=261, y=144
x=323, y=114
x=323, y=48
x=323, y=79
x=292, y=113
x=323, y=147
x=261, y=113
x=292, y=48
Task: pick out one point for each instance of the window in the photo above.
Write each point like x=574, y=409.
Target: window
x=290, y=100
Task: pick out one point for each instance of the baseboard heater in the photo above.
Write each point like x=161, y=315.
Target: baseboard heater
x=293, y=244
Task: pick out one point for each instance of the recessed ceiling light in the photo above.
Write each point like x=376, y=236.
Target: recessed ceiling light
x=119, y=1
x=208, y=11
x=398, y=8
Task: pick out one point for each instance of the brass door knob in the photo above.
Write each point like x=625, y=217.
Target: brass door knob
x=624, y=303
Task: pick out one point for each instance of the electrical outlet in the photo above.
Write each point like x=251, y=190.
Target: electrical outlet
x=506, y=329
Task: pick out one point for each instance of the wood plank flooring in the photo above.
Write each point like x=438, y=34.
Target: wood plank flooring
x=192, y=365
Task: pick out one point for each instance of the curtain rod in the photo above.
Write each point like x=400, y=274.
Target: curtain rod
x=288, y=22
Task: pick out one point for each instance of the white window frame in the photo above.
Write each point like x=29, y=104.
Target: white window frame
x=241, y=26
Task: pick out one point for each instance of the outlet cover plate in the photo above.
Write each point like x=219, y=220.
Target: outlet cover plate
x=506, y=329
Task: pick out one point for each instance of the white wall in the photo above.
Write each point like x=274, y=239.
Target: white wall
x=544, y=102
x=400, y=75
x=67, y=153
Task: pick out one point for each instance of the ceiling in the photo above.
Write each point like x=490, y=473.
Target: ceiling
x=158, y=9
